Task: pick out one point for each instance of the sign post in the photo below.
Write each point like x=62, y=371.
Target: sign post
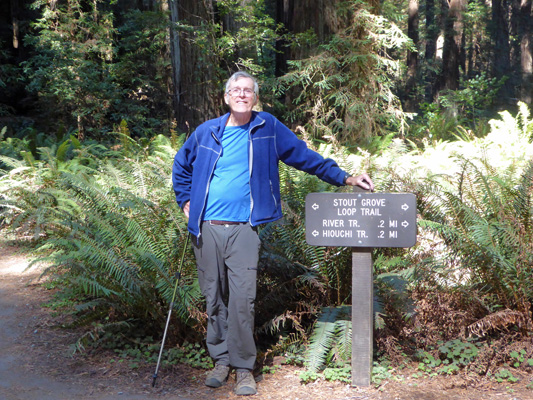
x=362, y=221
x=362, y=316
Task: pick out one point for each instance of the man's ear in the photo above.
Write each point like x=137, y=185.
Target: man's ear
x=226, y=98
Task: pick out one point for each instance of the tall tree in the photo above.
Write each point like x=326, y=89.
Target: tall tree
x=501, y=62
x=15, y=18
x=284, y=13
x=199, y=88
x=522, y=54
x=453, y=51
x=477, y=38
x=343, y=91
x=412, y=56
x=175, y=54
x=432, y=33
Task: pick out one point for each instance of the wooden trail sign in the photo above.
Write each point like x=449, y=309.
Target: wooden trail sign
x=362, y=221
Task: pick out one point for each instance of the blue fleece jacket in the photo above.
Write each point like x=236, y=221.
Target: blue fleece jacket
x=269, y=142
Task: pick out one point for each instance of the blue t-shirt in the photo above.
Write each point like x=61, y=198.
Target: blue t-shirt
x=228, y=198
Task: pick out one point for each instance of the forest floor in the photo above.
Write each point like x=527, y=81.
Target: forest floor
x=36, y=362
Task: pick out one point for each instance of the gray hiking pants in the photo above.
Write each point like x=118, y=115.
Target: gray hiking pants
x=226, y=258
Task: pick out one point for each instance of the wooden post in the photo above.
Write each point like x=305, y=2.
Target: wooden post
x=362, y=314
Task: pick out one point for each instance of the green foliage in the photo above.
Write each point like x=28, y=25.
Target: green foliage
x=519, y=357
x=342, y=374
x=309, y=376
x=504, y=375
x=338, y=373
x=253, y=41
x=90, y=74
x=428, y=361
x=468, y=106
x=139, y=351
x=343, y=92
x=486, y=227
x=475, y=97
x=331, y=340
x=247, y=42
x=451, y=357
x=141, y=71
x=114, y=233
x=10, y=80
x=106, y=218
x=381, y=372
x=71, y=64
x=459, y=352
x=297, y=277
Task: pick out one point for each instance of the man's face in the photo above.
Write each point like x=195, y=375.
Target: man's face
x=240, y=96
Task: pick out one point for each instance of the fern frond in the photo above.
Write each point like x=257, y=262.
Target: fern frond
x=331, y=333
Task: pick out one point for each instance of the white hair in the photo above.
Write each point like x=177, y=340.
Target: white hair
x=242, y=74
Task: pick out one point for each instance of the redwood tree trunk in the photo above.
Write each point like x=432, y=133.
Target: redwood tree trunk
x=525, y=20
x=501, y=63
x=200, y=96
x=432, y=30
x=284, y=12
x=412, y=56
x=175, y=56
x=453, y=51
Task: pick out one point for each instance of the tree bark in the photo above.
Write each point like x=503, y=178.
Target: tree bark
x=200, y=96
x=284, y=12
x=453, y=51
x=303, y=15
x=412, y=56
x=524, y=20
x=432, y=32
x=175, y=55
x=15, y=23
x=501, y=63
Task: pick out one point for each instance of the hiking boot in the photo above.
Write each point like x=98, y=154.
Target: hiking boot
x=217, y=376
x=245, y=383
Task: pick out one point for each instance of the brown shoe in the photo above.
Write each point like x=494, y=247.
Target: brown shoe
x=245, y=383
x=217, y=376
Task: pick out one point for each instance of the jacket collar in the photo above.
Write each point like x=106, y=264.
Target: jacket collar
x=217, y=129
x=255, y=121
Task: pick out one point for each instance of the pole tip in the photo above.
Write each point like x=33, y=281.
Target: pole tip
x=153, y=381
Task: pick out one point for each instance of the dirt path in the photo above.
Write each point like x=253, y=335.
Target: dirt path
x=36, y=363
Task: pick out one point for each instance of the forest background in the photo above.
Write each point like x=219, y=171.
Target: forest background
x=429, y=97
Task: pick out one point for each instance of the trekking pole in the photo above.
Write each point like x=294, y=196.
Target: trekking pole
x=178, y=278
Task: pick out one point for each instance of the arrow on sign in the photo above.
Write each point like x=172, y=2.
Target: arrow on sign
x=405, y=224
x=315, y=206
x=315, y=233
x=405, y=207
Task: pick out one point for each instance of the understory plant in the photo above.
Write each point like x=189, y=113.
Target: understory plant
x=486, y=229
x=343, y=91
x=469, y=274
x=107, y=221
x=113, y=232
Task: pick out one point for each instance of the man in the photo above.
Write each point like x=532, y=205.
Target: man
x=226, y=181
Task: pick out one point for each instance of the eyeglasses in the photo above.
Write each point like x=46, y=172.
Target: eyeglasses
x=235, y=92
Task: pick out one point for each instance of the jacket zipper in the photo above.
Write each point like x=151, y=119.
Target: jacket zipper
x=250, y=165
x=207, y=187
x=250, y=168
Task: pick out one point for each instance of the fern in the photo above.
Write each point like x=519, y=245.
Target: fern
x=113, y=232
x=331, y=338
x=487, y=228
